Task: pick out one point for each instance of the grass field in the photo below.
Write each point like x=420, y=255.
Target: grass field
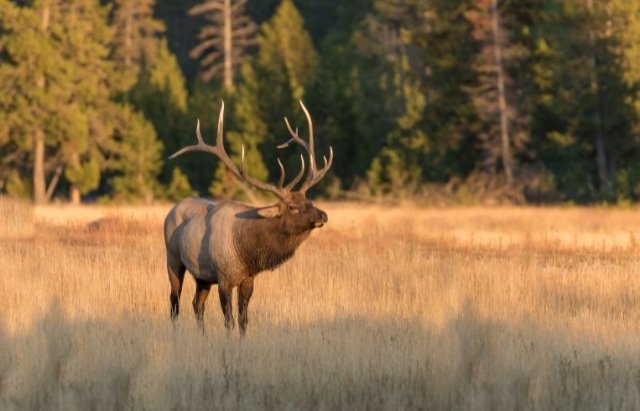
x=383, y=308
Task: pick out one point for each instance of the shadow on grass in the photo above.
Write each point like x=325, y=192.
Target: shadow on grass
x=350, y=363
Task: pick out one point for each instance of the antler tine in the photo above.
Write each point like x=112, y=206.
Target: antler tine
x=294, y=138
x=295, y=181
x=198, y=135
x=219, y=142
x=243, y=168
x=312, y=150
x=219, y=151
x=196, y=147
x=314, y=175
x=281, y=181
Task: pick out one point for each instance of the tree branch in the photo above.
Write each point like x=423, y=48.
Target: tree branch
x=53, y=183
x=205, y=7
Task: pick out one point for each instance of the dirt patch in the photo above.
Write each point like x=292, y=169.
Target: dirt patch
x=112, y=231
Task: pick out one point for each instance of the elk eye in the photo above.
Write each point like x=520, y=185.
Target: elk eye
x=293, y=209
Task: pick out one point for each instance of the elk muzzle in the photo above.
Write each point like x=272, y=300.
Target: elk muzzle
x=321, y=218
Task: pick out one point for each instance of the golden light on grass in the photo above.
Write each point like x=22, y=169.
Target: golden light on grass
x=384, y=308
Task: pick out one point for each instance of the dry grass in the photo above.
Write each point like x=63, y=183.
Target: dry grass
x=514, y=308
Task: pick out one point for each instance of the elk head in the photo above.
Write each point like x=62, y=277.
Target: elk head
x=296, y=213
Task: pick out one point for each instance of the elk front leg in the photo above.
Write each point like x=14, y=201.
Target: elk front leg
x=224, y=291
x=202, y=291
x=245, y=289
x=176, y=277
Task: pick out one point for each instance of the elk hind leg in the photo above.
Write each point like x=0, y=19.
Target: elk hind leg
x=202, y=292
x=176, y=278
x=224, y=292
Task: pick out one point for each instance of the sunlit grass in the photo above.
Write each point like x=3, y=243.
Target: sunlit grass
x=384, y=308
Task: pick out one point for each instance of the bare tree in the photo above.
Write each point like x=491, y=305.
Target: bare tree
x=136, y=33
x=502, y=101
x=495, y=97
x=594, y=85
x=224, y=39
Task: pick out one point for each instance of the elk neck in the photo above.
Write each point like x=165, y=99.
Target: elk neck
x=263, y=244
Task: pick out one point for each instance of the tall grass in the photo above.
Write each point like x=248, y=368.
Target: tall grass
x=381, y=309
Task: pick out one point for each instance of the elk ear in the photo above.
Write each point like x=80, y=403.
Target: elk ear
x=269, y=212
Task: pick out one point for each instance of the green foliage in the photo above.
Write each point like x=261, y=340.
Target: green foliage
x=161, y=95
x=584, y=94
x=18, y=186
x=84, y=176
x=138, y=158
x=404, y=91
x=387, y=37
x=179, y=187
x=286, y=54
x=64, y=51
x=135, y=43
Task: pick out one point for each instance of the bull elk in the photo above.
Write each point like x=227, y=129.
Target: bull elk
x=228, y=243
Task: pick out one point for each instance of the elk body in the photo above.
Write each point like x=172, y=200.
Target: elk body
x=228, y=243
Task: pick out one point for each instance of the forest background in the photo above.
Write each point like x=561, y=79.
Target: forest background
x=443, y=101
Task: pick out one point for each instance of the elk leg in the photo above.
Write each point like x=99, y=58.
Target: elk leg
x=245, y=289
x=199, y=298
x=176, y=277
x=224, y=291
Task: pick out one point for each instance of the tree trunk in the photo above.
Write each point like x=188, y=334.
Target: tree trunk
x=601, y=155
x=39, y=195
x=228, y=57
x=75, y=195
x=53, y=183
x=502, y=102
x=39, y=185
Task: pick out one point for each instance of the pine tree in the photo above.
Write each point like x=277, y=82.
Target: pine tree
x=584, y=108
x=29, y=58
x=161, y=95
x=155, y=83
x=449, y=118
x=138, y=159
x=503, y=126
x=344, y=97
x=65, y=121
x=388, y=37
x=286, y=55
x=224, y=40
x=136, y=33
x=271, y=86
x=179, y=187
x=623, y=23
x=87, y=40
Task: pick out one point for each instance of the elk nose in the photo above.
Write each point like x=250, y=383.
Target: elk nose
x=321, y=218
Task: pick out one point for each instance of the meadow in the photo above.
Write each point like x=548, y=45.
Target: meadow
x=391, y=308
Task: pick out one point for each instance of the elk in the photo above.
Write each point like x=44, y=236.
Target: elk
x=228, y=243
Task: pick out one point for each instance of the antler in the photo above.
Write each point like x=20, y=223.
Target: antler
x=314, y=175
x=219, y=151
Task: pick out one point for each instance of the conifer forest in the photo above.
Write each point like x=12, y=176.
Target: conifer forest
x=472, y=242
x=519, y=101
